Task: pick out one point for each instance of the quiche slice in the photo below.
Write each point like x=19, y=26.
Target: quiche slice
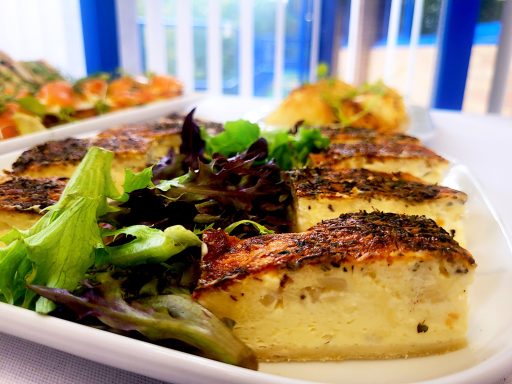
x=322, y=193
x=135, y=147
x=361, y=286
x=162, y=137
x=163, y=134
x=384, y=156
x=23, y=199
x=340, y=134
x=60, y=158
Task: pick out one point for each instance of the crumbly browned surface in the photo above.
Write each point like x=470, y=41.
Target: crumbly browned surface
x=340, y=134
x=71, y=151
x=150, y=131
x=357, y=239
x=123, y=145
x=134, y=139
x=373, y=151
x=24, y=194
x=165, y=126
x=60, y=151
x=170, y=125
x=366, y=184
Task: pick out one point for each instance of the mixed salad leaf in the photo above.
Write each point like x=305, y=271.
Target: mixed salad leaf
x=159, y=317
x=59, y=248
x=130, y=258
x=235, y=175
x=147, y=245
x=52, y=259
x=287, y=149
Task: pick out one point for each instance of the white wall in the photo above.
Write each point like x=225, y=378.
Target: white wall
x=44, y=29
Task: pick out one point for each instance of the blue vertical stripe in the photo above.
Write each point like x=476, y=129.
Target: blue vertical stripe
x=330, y=10
x=100, y=35
x=456, y=30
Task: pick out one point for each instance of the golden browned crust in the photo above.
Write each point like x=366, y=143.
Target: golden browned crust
x=339, y=134
x=27, y=194
x=386, y=111
x=373, y=151
x=357, y=238
x=146, y=131
x=166, y=126
x=70, y=151
x=334, y=101
x=124, y=141
x=123, y=145
x=154, y=131
x=362, y=183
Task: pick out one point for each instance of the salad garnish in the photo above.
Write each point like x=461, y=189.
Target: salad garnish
x=128, y=260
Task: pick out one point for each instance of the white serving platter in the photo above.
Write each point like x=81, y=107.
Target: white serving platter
x=486, y=359
x=129, y=115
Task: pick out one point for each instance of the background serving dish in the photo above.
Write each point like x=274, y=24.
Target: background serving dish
x=129, y=115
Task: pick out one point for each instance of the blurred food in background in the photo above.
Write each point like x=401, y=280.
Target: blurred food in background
x=332, y=101
x=34, y=96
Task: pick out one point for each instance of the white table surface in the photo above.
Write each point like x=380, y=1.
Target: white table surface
x=483, y=143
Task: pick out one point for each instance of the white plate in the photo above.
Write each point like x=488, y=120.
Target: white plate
x=487, y=358
x=129, y=115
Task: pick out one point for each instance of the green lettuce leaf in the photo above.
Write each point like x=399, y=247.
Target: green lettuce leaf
x=237, y=137
x=58, y=249
x=292, y=150
x=150, y=245
x=261, y=228
x=289, y=150
x=134, y=181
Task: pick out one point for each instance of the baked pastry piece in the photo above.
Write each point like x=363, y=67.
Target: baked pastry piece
x=361, y=286
x=163, y=135
x=22, y=200
x=374, y=106
x=321, y=193
x=339, y=134
x=135, y=147
x=52, y=158
x=60, y=158
x=384, y=155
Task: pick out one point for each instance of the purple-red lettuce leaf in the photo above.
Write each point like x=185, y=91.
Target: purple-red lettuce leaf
x=235, y=188
x=162, y=317
x=220, y=192
x=191, y=152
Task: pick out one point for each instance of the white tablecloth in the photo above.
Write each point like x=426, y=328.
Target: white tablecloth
x=483, y=143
